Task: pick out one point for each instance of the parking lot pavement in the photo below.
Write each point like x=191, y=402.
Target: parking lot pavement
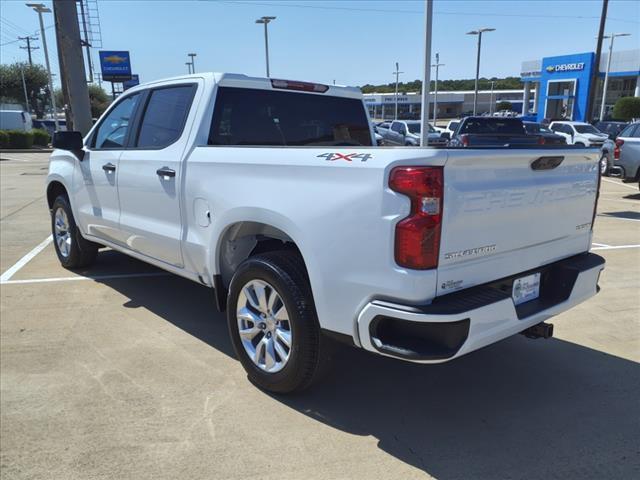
x=124, y=371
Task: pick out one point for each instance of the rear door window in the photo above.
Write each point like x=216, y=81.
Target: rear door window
x=165, y=115
x=256, y=117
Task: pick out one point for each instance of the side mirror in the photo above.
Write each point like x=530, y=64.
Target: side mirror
x=71, y=141
x=445, y=135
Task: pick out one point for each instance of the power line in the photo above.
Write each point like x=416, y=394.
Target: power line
x=381, y=10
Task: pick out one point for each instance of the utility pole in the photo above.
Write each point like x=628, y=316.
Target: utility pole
x=479, y=33
x=188, y=64
x=426, y=78
x=28, y=48
x=265, y=21
x=596, y=68
x=40, y=9
x=437, y=65
x=397, y=74
x=24, y=88
x=193, y=63
x=72, y=70
x=612, y=36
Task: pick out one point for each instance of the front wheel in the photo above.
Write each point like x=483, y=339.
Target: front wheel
x=72, y=249
x=272, y=322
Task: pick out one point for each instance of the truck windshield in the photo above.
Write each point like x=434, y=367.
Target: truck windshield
x=587, y=129
x=255, y=117
x=495, y=126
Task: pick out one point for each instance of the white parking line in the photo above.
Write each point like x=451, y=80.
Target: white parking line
x=616, y=247
x=600, y=244
x=24, y=260
x=632, y=187
x=94, y=277
x=619, y=218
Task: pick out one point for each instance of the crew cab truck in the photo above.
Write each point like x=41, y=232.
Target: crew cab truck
x=272, y=193
x=493, y=132
x=407, y=133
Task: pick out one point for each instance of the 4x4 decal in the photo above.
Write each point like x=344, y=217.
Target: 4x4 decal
x=348, y=157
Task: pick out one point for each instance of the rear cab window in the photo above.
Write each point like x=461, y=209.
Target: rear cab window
x=493, y=126
x=256, y=117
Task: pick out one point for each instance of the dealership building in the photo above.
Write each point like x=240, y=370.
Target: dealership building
x=560, y=86
x=553, y=87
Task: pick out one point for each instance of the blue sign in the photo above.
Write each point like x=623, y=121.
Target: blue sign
x=115, y=65
x=135, y=80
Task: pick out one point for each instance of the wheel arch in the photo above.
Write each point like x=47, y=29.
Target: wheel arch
x=242, y=239
x=55, y=188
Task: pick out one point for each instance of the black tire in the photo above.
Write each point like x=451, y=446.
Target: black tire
x=285, y=271
x=81, y=252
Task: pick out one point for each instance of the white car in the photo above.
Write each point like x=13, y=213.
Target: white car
x=579, y=133
x=273, y=193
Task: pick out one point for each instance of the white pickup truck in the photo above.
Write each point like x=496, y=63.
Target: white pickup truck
x=273, y=193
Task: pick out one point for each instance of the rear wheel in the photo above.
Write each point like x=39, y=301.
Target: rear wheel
x=72, y=249
x=273, y=324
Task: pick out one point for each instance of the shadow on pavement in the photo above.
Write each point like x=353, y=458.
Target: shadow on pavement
x=518, y=409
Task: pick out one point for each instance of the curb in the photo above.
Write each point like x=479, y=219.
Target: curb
x=28, y=150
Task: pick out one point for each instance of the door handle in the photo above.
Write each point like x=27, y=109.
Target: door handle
x=166, y=172
x=109, y=167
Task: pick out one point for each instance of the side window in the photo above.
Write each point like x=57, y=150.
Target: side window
x=568, y=129
x=395, y=126
x=628, y=131
x=453, y=126
x=165, y=115
x=113, y=130
x=636, y=134
x=555, y=128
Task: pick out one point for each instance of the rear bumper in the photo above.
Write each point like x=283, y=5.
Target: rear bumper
x=464, y=321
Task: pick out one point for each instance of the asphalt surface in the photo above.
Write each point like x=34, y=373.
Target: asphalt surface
x=125, y=372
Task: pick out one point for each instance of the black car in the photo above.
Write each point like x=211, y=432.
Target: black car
x=550, y=138
x=612, y=129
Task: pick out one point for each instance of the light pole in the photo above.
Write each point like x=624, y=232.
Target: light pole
x=426, y=75
x=188, y=64
x=397, y=74
x=437, y=65
x=193, y=63
x=606, y=75
x=40, y=9
x=491, y=99
x=24, y=87
x=479, y=33
x=265, y=21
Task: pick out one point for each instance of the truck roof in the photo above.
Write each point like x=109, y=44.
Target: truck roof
x=263, y=83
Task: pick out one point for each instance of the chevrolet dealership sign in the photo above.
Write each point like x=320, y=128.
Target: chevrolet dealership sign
x=566, y=67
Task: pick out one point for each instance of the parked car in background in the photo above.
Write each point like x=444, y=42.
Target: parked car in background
x=492, y=132
x=550, y=138
x=451, y=128
x=15, y=120
x=612, y=129
x=407, y=133
x=579, y=133
x=49, y=125
x=627, y=153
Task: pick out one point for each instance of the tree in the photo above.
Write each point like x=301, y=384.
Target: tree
x=508, y=83
x=37, y=82
x=98, y=98
x=504, y=105
x=627, y=108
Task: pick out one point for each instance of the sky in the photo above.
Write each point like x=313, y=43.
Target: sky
x=351, y=42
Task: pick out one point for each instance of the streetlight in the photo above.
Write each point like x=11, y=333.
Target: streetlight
x=479, y=33
x=437, y=65
x=193, y=64
x=40, y=9
x=265, y=21
x=606, y=75
x=188, y=64
x=397, y=74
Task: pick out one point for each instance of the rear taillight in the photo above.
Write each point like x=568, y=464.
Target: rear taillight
x=417, y=238
x=302, y=86
x=616, y=150
x=465, y=140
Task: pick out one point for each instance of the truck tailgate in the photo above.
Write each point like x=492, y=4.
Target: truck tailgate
x=507, y=212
